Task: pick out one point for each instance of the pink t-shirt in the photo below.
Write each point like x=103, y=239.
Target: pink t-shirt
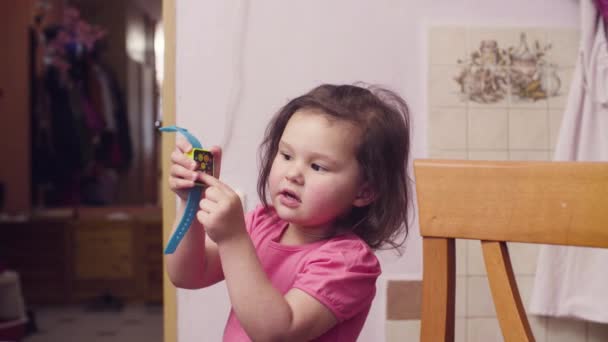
x=340, y=273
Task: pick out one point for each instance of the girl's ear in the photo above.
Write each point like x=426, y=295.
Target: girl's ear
x=365, y=196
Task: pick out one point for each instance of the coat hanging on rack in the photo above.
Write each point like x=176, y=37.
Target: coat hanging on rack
x=572, y=282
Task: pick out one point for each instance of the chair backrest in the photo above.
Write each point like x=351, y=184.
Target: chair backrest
x=561, y=203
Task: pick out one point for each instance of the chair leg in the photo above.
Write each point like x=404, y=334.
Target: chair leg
x=438, y=289
x=509, y=309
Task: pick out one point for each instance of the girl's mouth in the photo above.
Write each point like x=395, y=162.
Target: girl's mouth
x=289, y=198
x=290, y=194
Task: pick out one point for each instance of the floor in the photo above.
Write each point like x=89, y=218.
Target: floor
x=134, y=323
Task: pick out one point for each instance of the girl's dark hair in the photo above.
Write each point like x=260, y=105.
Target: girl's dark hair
x=383, y=154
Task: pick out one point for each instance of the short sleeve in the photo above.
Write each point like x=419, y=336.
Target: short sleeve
x=250, y=219
x=260, y=222
x=342, y=276
x=253, y=217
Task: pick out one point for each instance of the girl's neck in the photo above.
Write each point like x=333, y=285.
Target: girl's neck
x=295, y=235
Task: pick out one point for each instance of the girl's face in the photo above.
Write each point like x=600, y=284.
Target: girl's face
x=315, y=176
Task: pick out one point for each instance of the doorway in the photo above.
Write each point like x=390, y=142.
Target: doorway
x=80, y=184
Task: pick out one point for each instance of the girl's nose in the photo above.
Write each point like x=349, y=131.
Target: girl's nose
x=294, y=174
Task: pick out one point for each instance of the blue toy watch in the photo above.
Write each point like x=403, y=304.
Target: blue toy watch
x=204, y=161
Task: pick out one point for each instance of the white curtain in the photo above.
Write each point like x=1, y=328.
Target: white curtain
x=573, y=282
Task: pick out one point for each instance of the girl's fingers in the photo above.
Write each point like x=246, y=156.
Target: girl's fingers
x=202, y=216
x=213, y=182
x=179, y=171
x=207, y=205
x=180, y=184
x=177, y=157
x=182, y=144
x=214, y=194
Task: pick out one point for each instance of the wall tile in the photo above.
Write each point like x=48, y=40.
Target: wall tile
x=460, y=330
x=400, y=330
x=516, y=102
x=443, y=88
x=489, y=155
x=448, y=154
x=565, y=330
x=538, y=324
x=397, y=331
x=523, y=257
x=475, y=263
x=447, y=45
x=448, y=128
x=461, y=296
x=528, y=129
x=525, y=285
x=505, y=37
x=461, y=256
x=488, y=129
x=483, y=330
x=565, y=75
x=528, y=155
x=479, y=297
x=565, y=44
x=499, y=104
x=555, y=122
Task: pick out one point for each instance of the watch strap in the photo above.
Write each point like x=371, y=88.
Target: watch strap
x=194, y=196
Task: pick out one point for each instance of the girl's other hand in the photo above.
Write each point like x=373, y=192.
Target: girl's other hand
x=182, y=172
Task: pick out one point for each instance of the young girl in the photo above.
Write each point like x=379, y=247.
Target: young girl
x=333, y=187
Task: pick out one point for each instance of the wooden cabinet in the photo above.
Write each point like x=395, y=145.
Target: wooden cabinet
x=14, y=104
x=152, y=258
x=72, y=261
x=40, y=253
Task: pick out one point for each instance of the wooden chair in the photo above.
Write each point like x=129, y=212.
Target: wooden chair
x=561, y=203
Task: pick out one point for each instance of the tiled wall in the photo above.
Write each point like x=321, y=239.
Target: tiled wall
x=510, y=128
x=475, y=316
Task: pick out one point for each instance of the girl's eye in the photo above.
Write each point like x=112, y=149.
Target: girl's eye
x=317, y=167
x=285, y=156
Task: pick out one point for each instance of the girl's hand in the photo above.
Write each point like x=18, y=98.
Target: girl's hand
x=221, y=210
x=182, y=174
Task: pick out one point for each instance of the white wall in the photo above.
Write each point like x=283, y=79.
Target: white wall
x=245, y=59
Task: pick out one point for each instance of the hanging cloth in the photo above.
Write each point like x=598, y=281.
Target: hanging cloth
x=573, y=281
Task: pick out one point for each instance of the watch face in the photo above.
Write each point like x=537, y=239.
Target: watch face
x=204, y=160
